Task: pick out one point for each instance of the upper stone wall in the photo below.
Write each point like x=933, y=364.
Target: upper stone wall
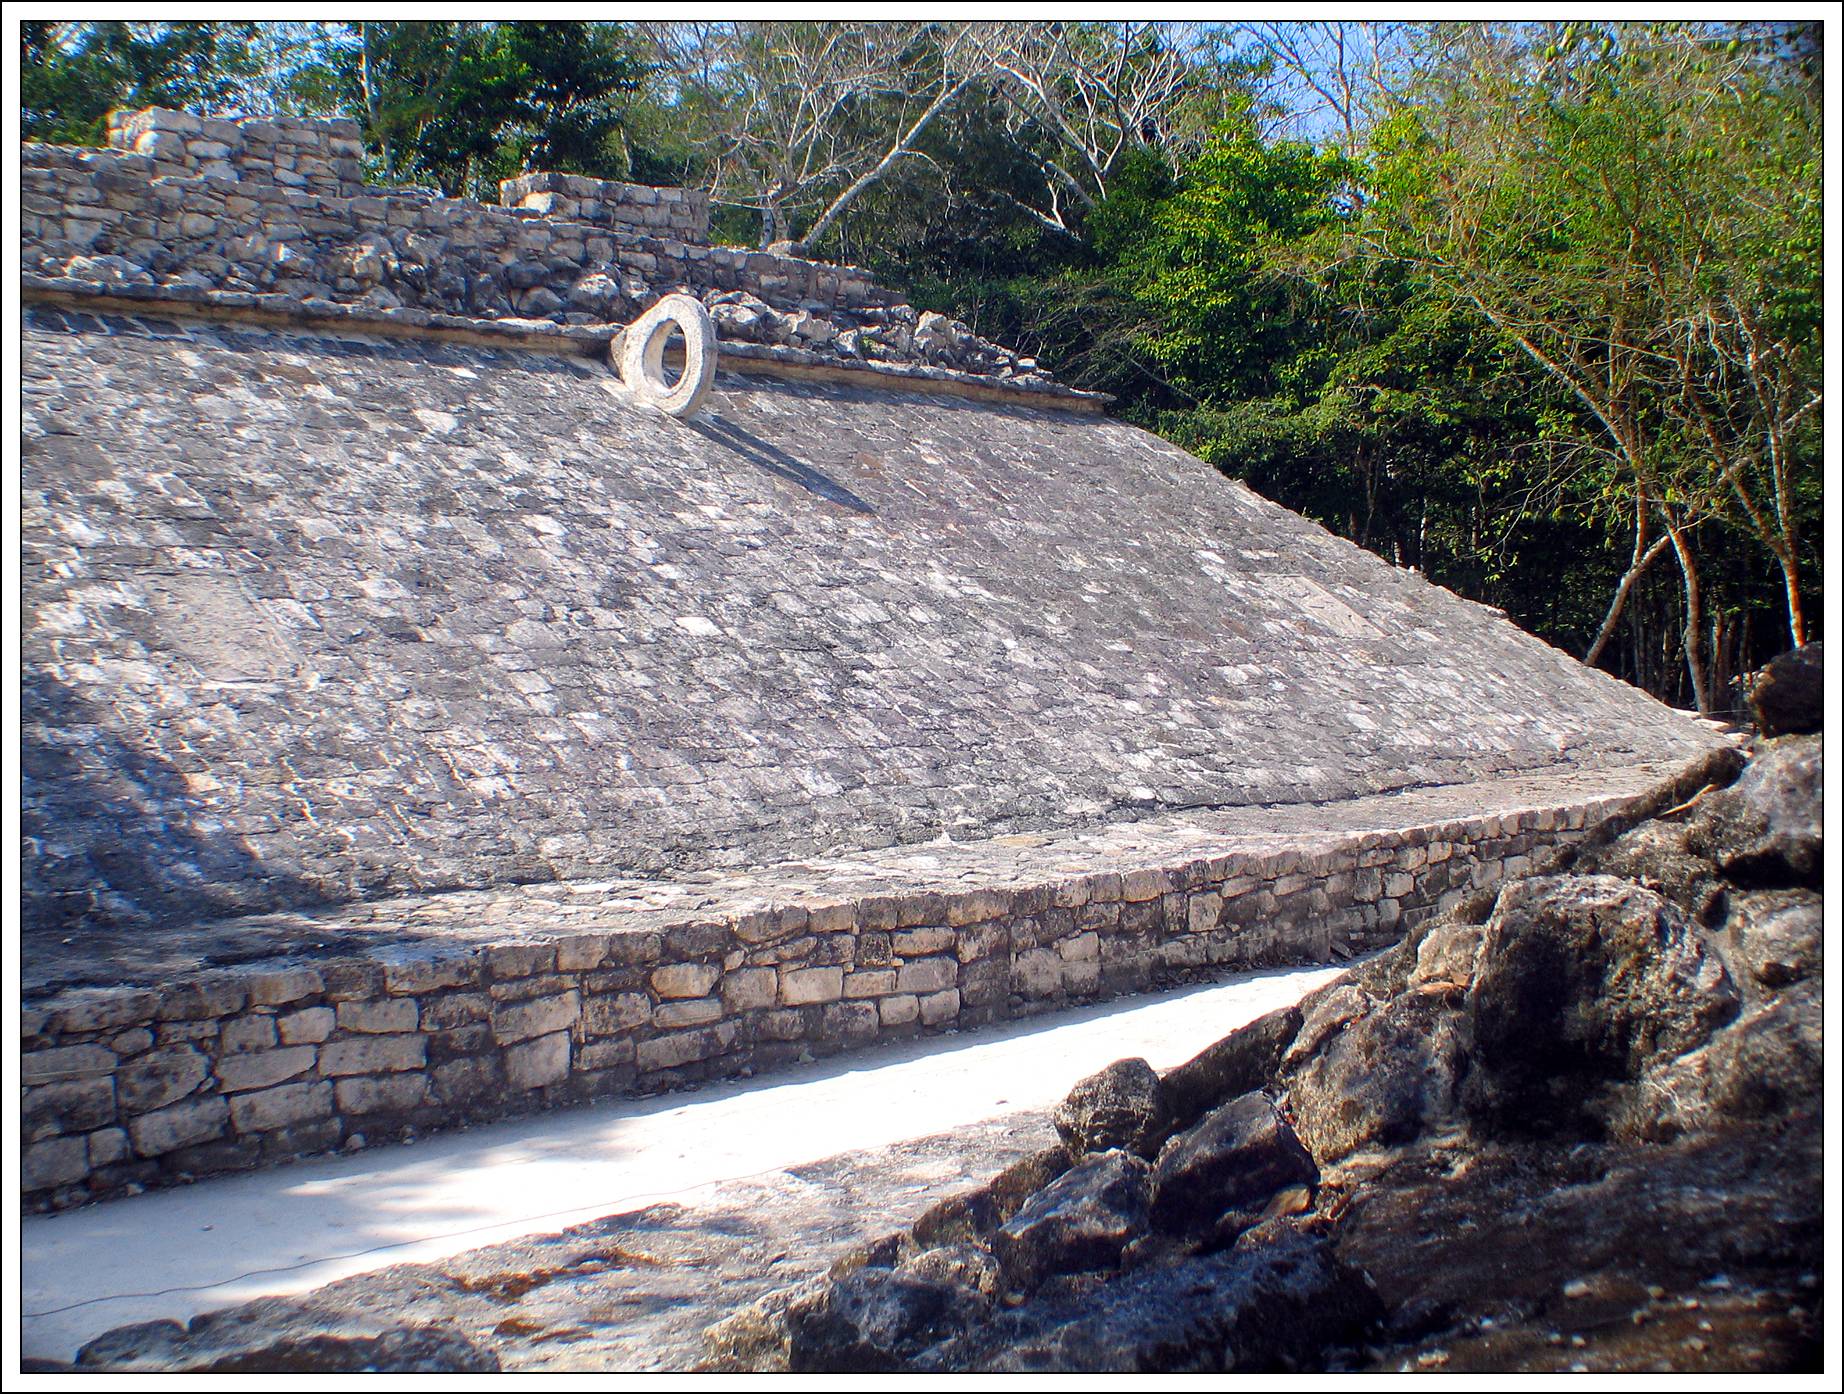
x=198, y=207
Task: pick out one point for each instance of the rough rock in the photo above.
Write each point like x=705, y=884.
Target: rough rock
x=1789, y=696
x=1778, y=936
x=160, y=1345
x=1583, y=979
x=1767, y=828
x=1122, y=1106
x=1241, y=1061
x=1081, y=1221
x=1654, y=856
x=1234, y=1160
x=869, y=1320
x=1273, y=1302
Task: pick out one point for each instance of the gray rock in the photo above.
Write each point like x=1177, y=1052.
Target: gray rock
x=866, y=1321
x=1778, y=935
x=163, y=1346
x=1121, y=1106
x=1655, y=856
x=1584, y=979
x=1275, y=1301
x=1081, y=1221
x=1789, y=696
x=1234, y=1160
x=1379, y=1077
x=1241, y=1061
x=1767, y=828
x=967, y=1265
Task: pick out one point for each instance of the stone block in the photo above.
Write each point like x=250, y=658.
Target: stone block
x=539, y=1016
x=309, y=1026
x=509, y=961
x=1079, y=948
x=65, y=1062
x=279, y=988
x=452, y=1009
x=105, y=1010
x=107, y=1147
x=872, y=984
x=919, y=943
x=747, y=989
x=582, y=952
x=60, y=1162
x=203, y=1000
x=281, y=1107
x=607, y=1015
x=238, y=1073
x=387, y=1017
x=363, y=1094
x=67, y=1106
x=701, y=1011
x=939, y=1007
x=685, y=979
x=927, y=975
x=155, y=1080
x=182, y=1125
x=413, y=977
x=369, y=1055
x=800, y=986
x=539, y=1062
x=247, y=1033
x=1038, y=973
x=899, y=1010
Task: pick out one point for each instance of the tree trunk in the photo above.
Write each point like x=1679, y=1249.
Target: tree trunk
x=1693, y=618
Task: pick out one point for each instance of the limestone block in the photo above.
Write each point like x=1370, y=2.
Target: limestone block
x=309, y=1026
x=372, y=1055
x=452, y=1009
x=539, y=1016
x=535, y=1063
x=917, y=943
x=386, y=1017
x=65, y=1062
x=154, y=1080
x=1037, y=973
x=876, y=983
x=927, y=975
x=284, y=986
x=800, y=986
x=59, y=1162
x=182, y=1125
x=281, y=1107
x=608, y=1014
x=363, y=1094
x=939, y=1007
x=237, y=1073
x=685, y=979
x=68, y=1106
x=701, y=1011
x=747, y=989
x=899, y=1010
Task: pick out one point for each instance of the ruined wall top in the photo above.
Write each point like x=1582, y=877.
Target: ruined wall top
x=275, y=214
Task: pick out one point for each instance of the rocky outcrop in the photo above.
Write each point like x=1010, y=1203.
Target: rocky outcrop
x=1789, y=697
x=1604, y=1081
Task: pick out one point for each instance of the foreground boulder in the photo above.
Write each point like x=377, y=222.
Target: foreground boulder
x=1121, y=1106
x=1788, y=699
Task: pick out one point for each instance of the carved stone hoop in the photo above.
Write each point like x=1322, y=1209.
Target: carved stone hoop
x=643, y=351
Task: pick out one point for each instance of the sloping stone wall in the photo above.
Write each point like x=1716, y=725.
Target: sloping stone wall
x=197, y=1073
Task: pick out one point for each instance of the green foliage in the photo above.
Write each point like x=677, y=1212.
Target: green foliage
x=70, y=75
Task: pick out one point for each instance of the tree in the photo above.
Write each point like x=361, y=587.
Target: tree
x=71, y=74
x=1636, y=208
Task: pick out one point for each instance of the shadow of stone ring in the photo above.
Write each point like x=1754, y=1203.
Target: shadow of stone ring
x=643, y=352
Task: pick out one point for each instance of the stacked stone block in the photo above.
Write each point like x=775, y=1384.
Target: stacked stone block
x=135, y=1087
x=271, y=207
x=684, y=214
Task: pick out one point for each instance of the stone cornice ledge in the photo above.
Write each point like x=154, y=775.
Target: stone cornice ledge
x=535, y=335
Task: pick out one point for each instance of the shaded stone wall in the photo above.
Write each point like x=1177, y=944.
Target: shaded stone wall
x=276, y=1059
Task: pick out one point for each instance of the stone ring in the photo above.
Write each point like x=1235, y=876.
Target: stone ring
x=643, y=351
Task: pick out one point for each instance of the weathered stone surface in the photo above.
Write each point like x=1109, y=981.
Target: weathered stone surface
x=1241, y=1061
x=1121, y=1106
x=1080, y=1221
x=1778, y=935
x=181, y=1125
x=1276, y=1301
x=1788, y=699
x=161, y=1346
x=1767, y=828
x=866, y=1321
x=1584, y=978
x=1239, y=1156
x=154, y=1080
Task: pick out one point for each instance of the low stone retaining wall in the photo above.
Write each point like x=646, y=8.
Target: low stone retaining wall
x=473, y=1007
